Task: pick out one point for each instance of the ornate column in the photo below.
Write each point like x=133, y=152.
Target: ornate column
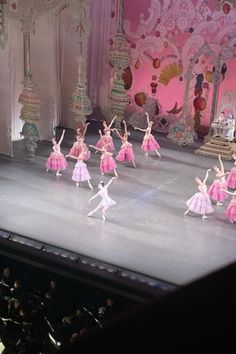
x=80, y=103
x=119, y=57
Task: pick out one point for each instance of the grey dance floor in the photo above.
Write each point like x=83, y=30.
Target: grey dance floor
x=146, y=231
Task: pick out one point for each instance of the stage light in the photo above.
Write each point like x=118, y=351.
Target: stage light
x=4, y=234
x=2, y=347
x=60, y=252
x=54, y=341
x=26, y=241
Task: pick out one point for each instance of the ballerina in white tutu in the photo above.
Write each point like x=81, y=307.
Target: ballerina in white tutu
x=106, y=201
x=200, y=202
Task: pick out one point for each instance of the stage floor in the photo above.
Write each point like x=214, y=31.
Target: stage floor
x=146, y=231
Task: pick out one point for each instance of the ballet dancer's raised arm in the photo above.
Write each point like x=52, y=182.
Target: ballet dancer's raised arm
x=117, y=132
x=147, y=115
x=110, y=182
x=206, y=177
x=62, y=137
x=222, y=170
x=125, y=125
x=85, y=130
x=72, y=157
x=110, y=125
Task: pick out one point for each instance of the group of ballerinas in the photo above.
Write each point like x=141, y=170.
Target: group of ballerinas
x=201, y=202
x=80, y=152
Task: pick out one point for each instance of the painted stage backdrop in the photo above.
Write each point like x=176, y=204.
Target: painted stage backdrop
x=164, y=36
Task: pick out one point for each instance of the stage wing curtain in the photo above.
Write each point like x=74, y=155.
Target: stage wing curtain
x=45, y=68
x=99, y=71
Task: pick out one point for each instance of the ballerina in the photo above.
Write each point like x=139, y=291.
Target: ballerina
x=231, y=180
x=106, y=202
x=80, y=172
x=231, y=209
x=107, y=163
x=56, y=160
x=106, y=139
x=149, y=142
x=200, y=202
x=215, y=191
x=80, y=145
x=126, y=151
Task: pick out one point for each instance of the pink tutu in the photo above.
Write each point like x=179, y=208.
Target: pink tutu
x=231, y=180
x=56, y=161
x=126, y=153
x=106, y=140
x=215, y=193
x=80, y=172
x=150, y=144
x=76, y=150
x=200, y=203
x=231, y=210
x=107, y=164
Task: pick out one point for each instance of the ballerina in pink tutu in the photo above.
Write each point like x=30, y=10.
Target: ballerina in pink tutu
x=80, y=173
x=149, y=142
x=56, y=160
x=107, y=163
x=106, y=202
x=80, y=145
x=200, y=202
x=231, y=209
x=106, y=139
x=126, y=152
x=215, y=191
x=231, y=180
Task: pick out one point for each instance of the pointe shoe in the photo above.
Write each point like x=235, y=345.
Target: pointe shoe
x=204, y=217
x=58, y=174
x=146, y=154
x=103, y=218
x=231, y=221
x=90, y=214
x=186, y=212
x=77, y=184
x=219, y=204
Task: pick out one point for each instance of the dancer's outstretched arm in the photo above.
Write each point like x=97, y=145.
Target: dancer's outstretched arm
x=225, y=174
x=95, y=196
x=72, y=157
x=62, y=137
x=94, y=147
x=221, y=165
x=110, y=125
x=142, y=130
x=110, y=182
x=231, y=193
x=207, y=174
x=147, y=115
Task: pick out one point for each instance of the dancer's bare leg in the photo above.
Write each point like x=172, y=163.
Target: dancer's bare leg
x=77, y=184
x=90, y=185
x=115, y=173
x=186, y=212
x=94, y=210
x=58, y=173
x=158, y=154
x=104, y=213
x=47, y=169
x=146, y=153
x=219, y=203
x=133, y=163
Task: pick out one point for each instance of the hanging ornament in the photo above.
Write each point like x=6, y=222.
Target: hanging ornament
x=209, y=76
x=128, y=78
x=140, y=98
x=199, y=103
x=137, y=64
x=154, y=77
x=223, y=69
x=226, y=8
x=156, y=63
